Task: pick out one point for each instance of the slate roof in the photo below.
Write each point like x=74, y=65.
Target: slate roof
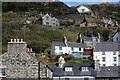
x=70, y=44
x=108, y=46
x=76, y=69
x=113, y=71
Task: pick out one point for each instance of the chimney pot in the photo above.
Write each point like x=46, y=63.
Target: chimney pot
x=31, y=49
x=14, y=40
x=11, y=40
x=17, y=40
x=21, y=40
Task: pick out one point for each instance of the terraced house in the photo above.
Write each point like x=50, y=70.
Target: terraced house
x=76, y=49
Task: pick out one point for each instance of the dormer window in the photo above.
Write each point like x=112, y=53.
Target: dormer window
x=85, y=69
x=68, y=68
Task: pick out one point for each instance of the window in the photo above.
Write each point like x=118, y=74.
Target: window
x=60, y=52
x=104, y=64
x=114, y=53
x=82, y=10
x=114, y=59
x=85, y=69
x=2, y=70
x=86, y=78
x=68, y=68
x=115, y=64
x=47, y=23
x=67, y=79
x=72, y=49
x=60, y=48
x=103, y=53
x=47, y=18
x=116, y=38
x=79, y=49
x=103, y=59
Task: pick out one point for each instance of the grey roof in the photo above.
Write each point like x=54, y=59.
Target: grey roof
x=113, y=71
x=76, y=69
x=108, y=46
x=70, y=44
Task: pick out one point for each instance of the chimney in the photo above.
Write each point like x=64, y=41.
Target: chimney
x=21, y=40
x=14, y=40
x=65, y=40
x=17, y=40
x=98, y=37
x=61, y=61
x=97, y=65
x=11, y=40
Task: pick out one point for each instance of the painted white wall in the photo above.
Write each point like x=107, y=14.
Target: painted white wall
x=76, y=49
x=83, y=7
x=115, y=36
x=109, y=58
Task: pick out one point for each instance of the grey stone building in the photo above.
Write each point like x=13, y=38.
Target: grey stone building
x=22, y=63
x=47, y=20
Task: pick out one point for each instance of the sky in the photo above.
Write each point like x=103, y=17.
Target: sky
x=79, y=2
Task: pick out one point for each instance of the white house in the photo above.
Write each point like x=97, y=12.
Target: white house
x=107, y=53
x=67, y=47
x=83, y=9
x=116, y=36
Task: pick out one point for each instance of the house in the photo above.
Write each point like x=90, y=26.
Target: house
x=72, y=71
x=107, y=53
x=84, y=9
x=116, y=36
x=20, y=62
x=83, y=71
x=76, y=49
x=89, y=41
x=47, y=20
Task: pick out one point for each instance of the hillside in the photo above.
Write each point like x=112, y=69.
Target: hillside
x=39, y=37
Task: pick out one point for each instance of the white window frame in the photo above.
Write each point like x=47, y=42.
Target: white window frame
x=85, y=68
x=68, y=69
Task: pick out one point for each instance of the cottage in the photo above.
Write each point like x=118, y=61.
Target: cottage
x=107, y=53
x=76, y=49
x=116, y=36
x=47, y=20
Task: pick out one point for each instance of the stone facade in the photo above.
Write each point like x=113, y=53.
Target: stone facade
x=19, y=64
x=47, y=20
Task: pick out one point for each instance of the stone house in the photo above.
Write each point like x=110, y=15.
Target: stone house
x=47, y=20
x=21, y=62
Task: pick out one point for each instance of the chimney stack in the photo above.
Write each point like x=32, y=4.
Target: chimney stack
x=97, y=65
x=61, y=61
